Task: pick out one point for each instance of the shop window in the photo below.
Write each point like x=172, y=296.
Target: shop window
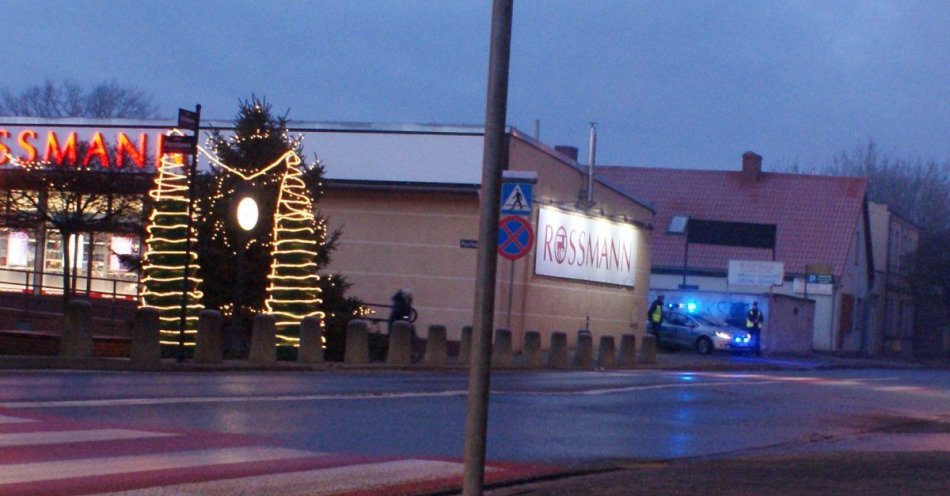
x=18, y=252
x=121, y=245
x=55, y=256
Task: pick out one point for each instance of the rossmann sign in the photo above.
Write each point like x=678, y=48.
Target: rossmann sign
x=54, y=145
x=575, y=246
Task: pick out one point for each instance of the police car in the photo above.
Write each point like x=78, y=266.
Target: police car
x=700, y=332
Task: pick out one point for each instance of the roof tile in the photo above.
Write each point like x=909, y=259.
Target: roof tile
x=816, y=215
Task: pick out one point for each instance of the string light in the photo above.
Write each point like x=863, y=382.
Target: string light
x=164, y=257
x=293, y=292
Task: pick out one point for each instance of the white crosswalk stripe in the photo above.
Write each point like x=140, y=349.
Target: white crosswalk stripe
x=77, y=436
x=65, y=469
x=46, y=456
x=323, y=482
x=14, y=420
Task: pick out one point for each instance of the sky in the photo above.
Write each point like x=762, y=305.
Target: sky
x=680, y=84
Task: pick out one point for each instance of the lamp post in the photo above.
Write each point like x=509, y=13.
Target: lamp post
x=245, y=214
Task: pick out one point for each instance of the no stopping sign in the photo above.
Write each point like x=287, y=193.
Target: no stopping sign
x=515, y=237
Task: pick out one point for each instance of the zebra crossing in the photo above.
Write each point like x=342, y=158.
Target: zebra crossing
x=42, y=455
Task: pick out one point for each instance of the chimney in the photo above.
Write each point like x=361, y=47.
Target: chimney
x=751, y=167
x=569, y=151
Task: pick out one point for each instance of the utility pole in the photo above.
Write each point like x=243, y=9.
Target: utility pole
x=476, y=419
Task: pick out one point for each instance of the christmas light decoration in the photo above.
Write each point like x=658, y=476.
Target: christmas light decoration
x=293, y=291
x=164, y=260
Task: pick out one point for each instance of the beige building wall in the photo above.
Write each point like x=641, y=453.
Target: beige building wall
x=400, y=239
x=398, y=236
x=548, y=304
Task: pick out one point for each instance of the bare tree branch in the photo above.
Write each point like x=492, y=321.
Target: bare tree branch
x=67, y=99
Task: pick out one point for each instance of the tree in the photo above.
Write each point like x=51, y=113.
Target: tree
x=67, y=99
x=917, y=190
x=274, y=267
x=74, y=198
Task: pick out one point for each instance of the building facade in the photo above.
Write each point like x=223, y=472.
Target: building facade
x=894, y=240
x=421, y=234
x=406, y=198
x=821, y=240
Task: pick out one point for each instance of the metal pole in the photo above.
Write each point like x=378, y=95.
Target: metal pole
x=685, y=262
x=185, y=285
x=476, y=419
x=511, y=285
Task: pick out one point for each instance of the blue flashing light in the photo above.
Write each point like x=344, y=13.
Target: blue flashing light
x=691, y=306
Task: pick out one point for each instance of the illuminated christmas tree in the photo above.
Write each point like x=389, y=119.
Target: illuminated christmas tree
x=164, y=260
x=293, y=291
x=281, y=256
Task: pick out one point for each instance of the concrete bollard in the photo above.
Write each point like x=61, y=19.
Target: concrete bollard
x=557, y=354
x=311, y=341
x=146, y=346
x=436, y=347
x=648, y=350
x=501, y=349
x=465, y=345
x=76, y=341
x=357, y=343
x=531, y=353
x=607, y=354
x=584, y=355
x=400, y=344
x=264, y=340
x=628, y=351
x=208, y=344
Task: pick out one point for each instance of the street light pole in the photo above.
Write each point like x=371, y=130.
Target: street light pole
x=476, y=420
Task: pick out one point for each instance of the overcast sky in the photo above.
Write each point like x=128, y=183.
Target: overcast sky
x=670, y=83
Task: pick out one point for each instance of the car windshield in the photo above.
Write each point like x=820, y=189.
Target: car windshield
x=705, y=320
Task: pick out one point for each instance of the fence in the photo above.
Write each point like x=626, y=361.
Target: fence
x=26, y=292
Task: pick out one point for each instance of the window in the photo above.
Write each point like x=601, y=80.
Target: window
x=677, y=224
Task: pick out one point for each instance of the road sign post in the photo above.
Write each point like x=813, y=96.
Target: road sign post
x=186, y=145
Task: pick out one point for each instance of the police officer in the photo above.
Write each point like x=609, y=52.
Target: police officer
x=753, y=324
x=655, y=315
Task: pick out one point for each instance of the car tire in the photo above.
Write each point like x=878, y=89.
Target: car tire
x=704, y=346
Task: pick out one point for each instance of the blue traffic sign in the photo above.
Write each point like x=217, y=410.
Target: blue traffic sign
x=516, y=198
x=515, y=237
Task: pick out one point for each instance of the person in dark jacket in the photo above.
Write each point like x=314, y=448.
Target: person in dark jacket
x=655, y=315
x=753, y=323
x=402, y=307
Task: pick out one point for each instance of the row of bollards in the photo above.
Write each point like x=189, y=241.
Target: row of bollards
x=77, y=343
x=532, y=356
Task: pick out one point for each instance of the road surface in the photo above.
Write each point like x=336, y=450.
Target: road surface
x=386, y=431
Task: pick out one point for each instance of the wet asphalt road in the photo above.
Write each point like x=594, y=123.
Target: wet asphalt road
x=561, y=418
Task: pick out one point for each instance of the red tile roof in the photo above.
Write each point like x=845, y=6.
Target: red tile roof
x=817, y=216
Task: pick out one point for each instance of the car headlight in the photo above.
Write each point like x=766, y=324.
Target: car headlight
x=723, y=335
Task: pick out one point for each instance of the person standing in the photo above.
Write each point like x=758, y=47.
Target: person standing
x=402, y=307
x=753, y=324
x=655, y=315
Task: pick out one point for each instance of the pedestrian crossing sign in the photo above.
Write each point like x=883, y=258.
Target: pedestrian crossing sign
x=516, y=198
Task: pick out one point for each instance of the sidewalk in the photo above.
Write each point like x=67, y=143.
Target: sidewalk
x=825, y=474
